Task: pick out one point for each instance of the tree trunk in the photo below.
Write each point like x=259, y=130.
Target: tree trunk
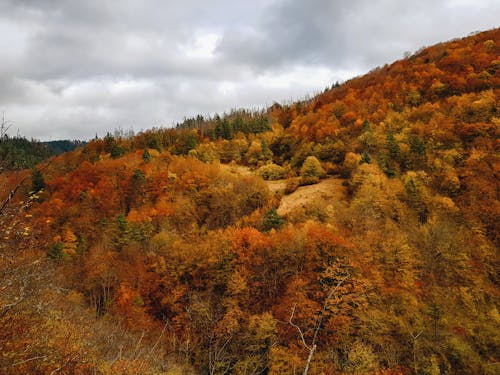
x=309, y=358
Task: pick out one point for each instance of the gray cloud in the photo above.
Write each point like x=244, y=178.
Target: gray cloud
x=71, y=69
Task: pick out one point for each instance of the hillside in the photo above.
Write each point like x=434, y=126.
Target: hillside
x=356, y=232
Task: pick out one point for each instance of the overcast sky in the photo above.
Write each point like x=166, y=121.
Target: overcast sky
x=71, y=69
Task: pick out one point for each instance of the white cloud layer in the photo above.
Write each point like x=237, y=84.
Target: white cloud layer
x=71, y=69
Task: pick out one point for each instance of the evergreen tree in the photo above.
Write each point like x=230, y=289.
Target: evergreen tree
x=272, y=220
x=392, y=147
x=109, y=141
x=227, y=130
x=116, y=150
x=219, y=131
x=37, y=181
x=154, y=143
x=146, y=156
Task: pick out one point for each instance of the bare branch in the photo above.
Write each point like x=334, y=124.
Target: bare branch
x=416, y=336
x=30, y=359
x=325, y=305
x=312, y=347
x=298, y=328
x=64, y=364
x=4, y=127
x=10, y=306
x=12, y=193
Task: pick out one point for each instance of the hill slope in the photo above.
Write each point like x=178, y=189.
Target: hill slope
x=163, y=260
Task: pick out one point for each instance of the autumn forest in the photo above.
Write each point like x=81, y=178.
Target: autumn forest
x=356, y=232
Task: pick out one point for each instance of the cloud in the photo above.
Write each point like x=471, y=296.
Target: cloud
x=71, y=69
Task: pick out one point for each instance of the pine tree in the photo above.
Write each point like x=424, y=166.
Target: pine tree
x=392, y=147
x=272, y=220
x=146, y=156
x=37, y=181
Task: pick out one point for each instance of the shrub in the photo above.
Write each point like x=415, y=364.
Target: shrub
x=312, y=168
x=271, y=172
x=311, y=171
x=351, y=162
x=308, y=181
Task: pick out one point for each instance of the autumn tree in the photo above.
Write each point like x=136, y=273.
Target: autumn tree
x=311, y=171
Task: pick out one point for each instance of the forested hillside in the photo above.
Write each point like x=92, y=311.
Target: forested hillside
x=355, y=232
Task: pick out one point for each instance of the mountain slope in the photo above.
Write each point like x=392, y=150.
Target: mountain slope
x=394, y=268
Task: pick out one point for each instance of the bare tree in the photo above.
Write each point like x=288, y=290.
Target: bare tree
x=313, y=343
x=4, y=127
x=415, y=337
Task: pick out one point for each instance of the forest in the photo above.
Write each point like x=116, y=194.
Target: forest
x=356, y=232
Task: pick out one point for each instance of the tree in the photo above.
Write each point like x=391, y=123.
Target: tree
x=4, y=128
x=146, y=156
x=227, y=130
x=312, y=345
x=392, y=147
x=116, y=150
x=272, y=220
x=311, y=171
x=37, y=181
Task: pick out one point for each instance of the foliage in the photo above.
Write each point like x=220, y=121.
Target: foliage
x=21, y=153
x=37, y=181
x=56, y=250
x=311, y=171
x=272, y=220
x=177, y=263
x=271, y=172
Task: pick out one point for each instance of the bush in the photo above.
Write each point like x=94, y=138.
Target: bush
x=311, y=171
x=272, y=172
x=312, y=168
x=351, y=162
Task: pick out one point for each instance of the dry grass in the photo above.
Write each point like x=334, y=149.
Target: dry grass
x=327, y=189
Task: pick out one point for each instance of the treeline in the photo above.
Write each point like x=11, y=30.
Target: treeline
x=238, y=120
x=21, y=153
x=62, y=146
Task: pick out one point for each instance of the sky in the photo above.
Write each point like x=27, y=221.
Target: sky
x=72, y=69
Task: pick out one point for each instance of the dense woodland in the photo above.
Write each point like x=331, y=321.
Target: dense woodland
x=167, y=252
x=18, y=152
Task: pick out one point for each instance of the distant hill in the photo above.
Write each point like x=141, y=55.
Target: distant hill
x=62, y=146
x=21, y=153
